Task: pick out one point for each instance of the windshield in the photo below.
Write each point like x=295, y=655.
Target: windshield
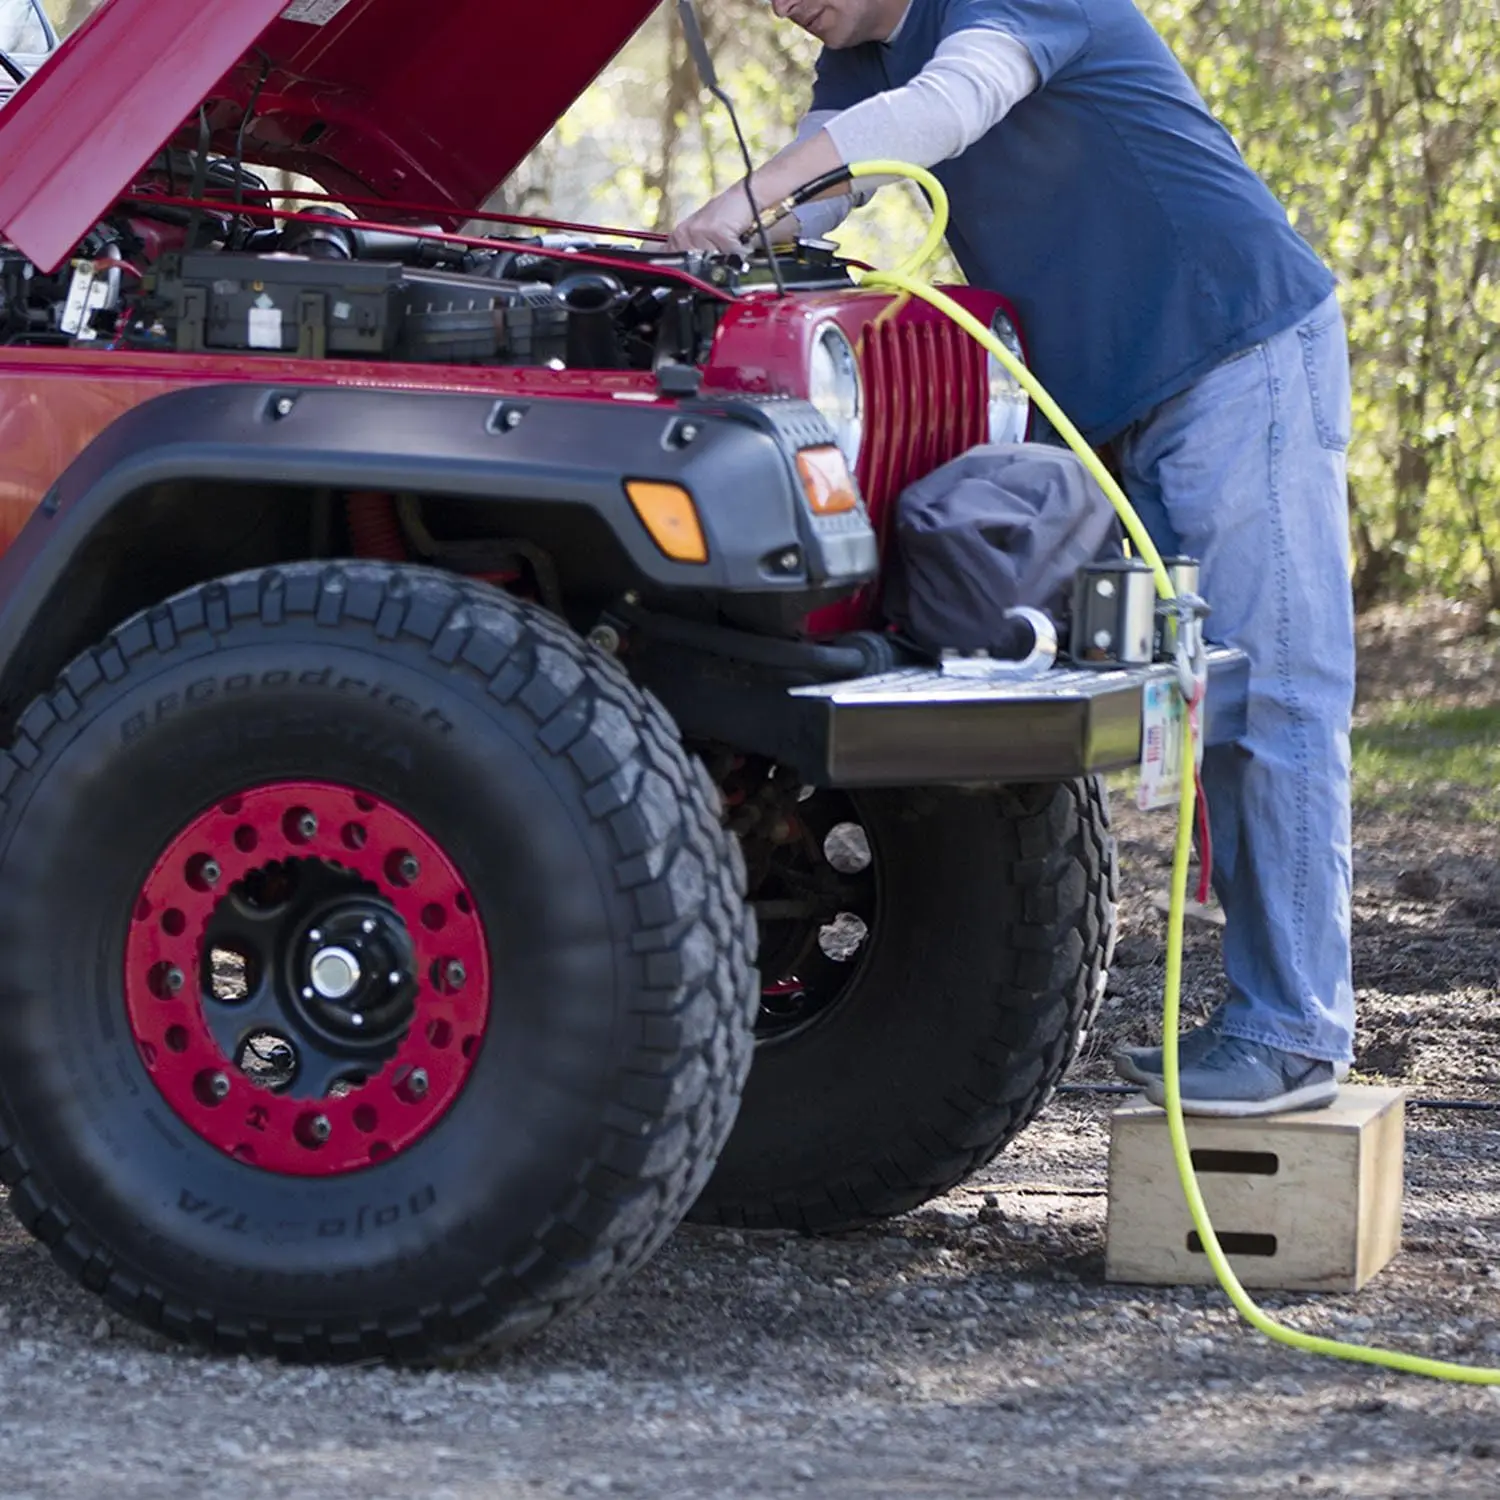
x=21, y=28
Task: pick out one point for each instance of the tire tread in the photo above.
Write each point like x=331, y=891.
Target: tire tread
x=692, y=1041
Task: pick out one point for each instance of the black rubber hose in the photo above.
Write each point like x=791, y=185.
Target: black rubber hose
x=857, y=656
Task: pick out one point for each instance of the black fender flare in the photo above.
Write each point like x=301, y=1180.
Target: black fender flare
x=736, y=457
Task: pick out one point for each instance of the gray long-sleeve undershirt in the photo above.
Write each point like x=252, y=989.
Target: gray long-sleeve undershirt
x=976, y=77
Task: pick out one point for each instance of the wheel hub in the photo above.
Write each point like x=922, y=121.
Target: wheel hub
x=307, y=978
x=353, y=973
x=814, y=887
x=335, y=973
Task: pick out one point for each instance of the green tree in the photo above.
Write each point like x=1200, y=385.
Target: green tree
x=1375, y=122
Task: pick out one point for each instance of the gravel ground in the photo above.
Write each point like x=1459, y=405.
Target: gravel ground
x=972, y=1348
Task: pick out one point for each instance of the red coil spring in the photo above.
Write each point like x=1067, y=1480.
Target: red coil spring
x=374, y=527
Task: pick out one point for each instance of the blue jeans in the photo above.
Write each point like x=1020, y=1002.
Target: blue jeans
x=1246, y=471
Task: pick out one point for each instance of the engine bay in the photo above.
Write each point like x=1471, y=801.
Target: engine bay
x=198, y=258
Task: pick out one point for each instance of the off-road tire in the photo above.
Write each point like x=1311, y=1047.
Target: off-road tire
x=619, y=1035
x=986, y=964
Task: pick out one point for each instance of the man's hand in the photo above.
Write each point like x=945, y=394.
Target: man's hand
x=725, y=223
x=719, y=225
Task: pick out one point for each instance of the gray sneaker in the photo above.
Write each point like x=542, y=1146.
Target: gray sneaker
x=1142, y=1064
x=1238, y=1078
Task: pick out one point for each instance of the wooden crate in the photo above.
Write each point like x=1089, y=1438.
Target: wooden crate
x=1300, y=1202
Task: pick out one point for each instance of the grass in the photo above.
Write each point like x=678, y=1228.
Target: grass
x=1410, y=754
x=1413, y=757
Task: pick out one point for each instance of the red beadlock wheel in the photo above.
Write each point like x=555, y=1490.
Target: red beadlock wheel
x=378, y=980
x=307, y=978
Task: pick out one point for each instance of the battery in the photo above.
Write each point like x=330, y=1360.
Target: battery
x=283, y=304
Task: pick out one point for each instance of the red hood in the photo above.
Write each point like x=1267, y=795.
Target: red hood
x=426, y=100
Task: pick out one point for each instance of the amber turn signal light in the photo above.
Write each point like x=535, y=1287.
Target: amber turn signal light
x=826, y=481
x=667, y=512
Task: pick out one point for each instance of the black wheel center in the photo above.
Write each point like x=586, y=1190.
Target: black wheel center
x=351, y=972
x=814, y=886
x=310, y=976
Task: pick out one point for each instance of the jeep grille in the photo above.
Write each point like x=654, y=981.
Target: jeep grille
x=925, y=395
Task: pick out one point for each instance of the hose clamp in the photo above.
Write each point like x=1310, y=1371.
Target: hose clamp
x=1180, y=623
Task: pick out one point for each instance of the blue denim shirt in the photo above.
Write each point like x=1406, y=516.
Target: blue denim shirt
x=1110, y=206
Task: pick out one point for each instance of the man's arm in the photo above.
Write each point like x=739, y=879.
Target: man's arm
x=818, y=219
x=973, y=81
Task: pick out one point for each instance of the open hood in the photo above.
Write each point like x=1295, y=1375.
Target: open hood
x=424, y=100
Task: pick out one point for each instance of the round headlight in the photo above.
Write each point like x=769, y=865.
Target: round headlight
x=835, y=388
x=1010, y=407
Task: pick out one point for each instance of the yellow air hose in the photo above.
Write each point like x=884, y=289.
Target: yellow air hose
x=906, y=278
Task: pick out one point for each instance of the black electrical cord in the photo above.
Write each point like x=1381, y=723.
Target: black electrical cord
x=239, y=141
x=200, y=175
x=755, y=215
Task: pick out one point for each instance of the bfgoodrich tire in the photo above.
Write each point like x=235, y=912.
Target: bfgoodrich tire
x=460, y=880
x=889, y=1071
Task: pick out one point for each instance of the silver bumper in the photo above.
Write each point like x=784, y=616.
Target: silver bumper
x=920, y=726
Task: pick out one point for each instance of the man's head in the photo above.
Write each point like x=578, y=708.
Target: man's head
x=844, y=23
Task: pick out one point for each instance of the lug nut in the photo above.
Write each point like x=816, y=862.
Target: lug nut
x=395, y=977
x=284, y=406
x=307, y=825
x=606, y=638
x=218, y=1086
x=367, y=926
x=174, y=979
x=417, y=1084
x=209, y=872
x=316, y=935
x=454, y=974
x=408, y=868
x=512, y=418
x=319, y=1129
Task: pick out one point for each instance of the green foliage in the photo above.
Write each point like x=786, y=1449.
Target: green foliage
x=1375, y=122
x=1415, y=753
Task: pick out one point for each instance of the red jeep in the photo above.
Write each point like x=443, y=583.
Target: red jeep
x=427, y=649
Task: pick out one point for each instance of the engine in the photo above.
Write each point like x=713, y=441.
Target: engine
x=322, y=284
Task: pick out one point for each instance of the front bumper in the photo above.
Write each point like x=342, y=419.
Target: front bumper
x=918, y=727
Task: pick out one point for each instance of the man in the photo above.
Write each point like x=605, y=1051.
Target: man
x=1180, y=321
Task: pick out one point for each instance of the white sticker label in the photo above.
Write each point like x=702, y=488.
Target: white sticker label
x=78, y=298
x=342, y=312
x=1161, y=746
x=1162, y=712
x=265, y=328
x=89, y=291
x=313, y=12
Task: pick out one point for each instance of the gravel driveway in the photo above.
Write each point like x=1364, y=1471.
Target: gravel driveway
x=970, y=1349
